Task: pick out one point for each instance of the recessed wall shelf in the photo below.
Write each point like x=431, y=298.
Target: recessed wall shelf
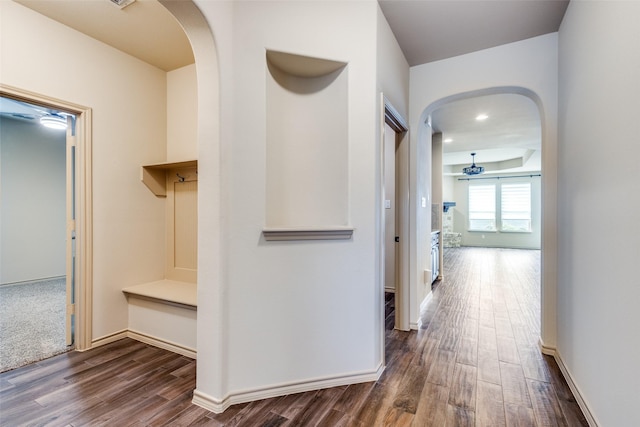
x=324, y=233
x=155, y=176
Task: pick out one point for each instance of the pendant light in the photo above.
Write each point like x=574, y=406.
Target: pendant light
x=473, y=169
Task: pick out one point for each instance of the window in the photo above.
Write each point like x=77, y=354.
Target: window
x=513, y=214
x=482, y=207
x=515, y=211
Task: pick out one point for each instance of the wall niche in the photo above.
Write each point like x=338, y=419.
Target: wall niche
x=307, y=148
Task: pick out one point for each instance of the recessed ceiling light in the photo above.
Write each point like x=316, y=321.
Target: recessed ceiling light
x=482, y=117
x=448, y=140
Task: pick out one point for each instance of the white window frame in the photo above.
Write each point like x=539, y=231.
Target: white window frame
x=485, y=211
x=498, y=220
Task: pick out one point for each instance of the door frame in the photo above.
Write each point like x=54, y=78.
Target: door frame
x=393, y=118
x=84, y=206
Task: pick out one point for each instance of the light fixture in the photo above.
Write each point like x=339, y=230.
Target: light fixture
x=448, y=140
x=481, y=117
x=473, y=169
x=121, y=4
x=54, y=121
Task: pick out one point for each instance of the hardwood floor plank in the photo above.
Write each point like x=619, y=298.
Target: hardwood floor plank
x=441, y=370
x=508, y=350
x=411, y=385
x=467, y=352
x=533, y=365
x=489, y=405
x=489, y=366
x=545, y=406
x=352, y=399
x=519, y=416
x=333, y=418
x=432, y=410
x=317, y=408
x=460, y=417
x=463, y=387
x=474, y=361
x=396, y=417
x=514, y=385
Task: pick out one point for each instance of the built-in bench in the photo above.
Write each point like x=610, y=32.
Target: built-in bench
x=163, y=314
x=171, y=292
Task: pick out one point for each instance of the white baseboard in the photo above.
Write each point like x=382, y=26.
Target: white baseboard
x=546, y=349
x=161, y=343
x=553, y=351
x=423, y=307
x=219, y=405
x=575, y=390
x=147, y=339
x=107, y=339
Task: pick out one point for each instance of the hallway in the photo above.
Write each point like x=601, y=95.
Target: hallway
x=474, y=361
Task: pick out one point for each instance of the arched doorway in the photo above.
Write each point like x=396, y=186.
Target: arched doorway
x=424, y=149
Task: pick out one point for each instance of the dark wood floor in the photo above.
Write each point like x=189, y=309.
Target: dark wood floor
x=475, y=361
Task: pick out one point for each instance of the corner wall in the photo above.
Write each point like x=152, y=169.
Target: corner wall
x=310, y=309
x=599, y=206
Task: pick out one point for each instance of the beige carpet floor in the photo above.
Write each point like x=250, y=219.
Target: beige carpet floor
x=32, y=323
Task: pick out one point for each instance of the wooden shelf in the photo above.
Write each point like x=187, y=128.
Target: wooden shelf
x=171, y=292
x=155, y=176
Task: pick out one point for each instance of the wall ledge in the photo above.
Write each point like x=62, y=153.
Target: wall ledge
x=218, y=406
x=307, y=233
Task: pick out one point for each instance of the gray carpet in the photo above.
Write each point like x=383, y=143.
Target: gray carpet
x=32, y=323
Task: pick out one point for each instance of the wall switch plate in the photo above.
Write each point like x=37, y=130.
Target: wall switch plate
x=387, y=204
x=424, y=202
x=427, y=276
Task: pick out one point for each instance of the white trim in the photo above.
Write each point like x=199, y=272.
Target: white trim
x=218, y=406
x=308, y=233
x=545, y=349
x=84, y=207
x=162, y=343
x=147, y=339
x=423, y=307
x=107, y=339
x=576, y=391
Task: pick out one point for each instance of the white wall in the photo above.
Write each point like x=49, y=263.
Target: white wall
x=497, y=239
x=599, y=206
x=393, y=83
x=182, y=114
x=318, y=303
x=32, y=217
x=528, y=67
x=128, y=98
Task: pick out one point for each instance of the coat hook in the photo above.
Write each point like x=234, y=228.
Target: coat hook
x=181, y=178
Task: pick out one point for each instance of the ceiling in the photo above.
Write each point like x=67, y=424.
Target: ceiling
x=431, y=30
x=427, y=30
x=507, y=141
x=144, y=29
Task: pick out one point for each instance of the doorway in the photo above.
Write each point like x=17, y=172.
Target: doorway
x=499, y=206
x=396, y=213
x=46, y=227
